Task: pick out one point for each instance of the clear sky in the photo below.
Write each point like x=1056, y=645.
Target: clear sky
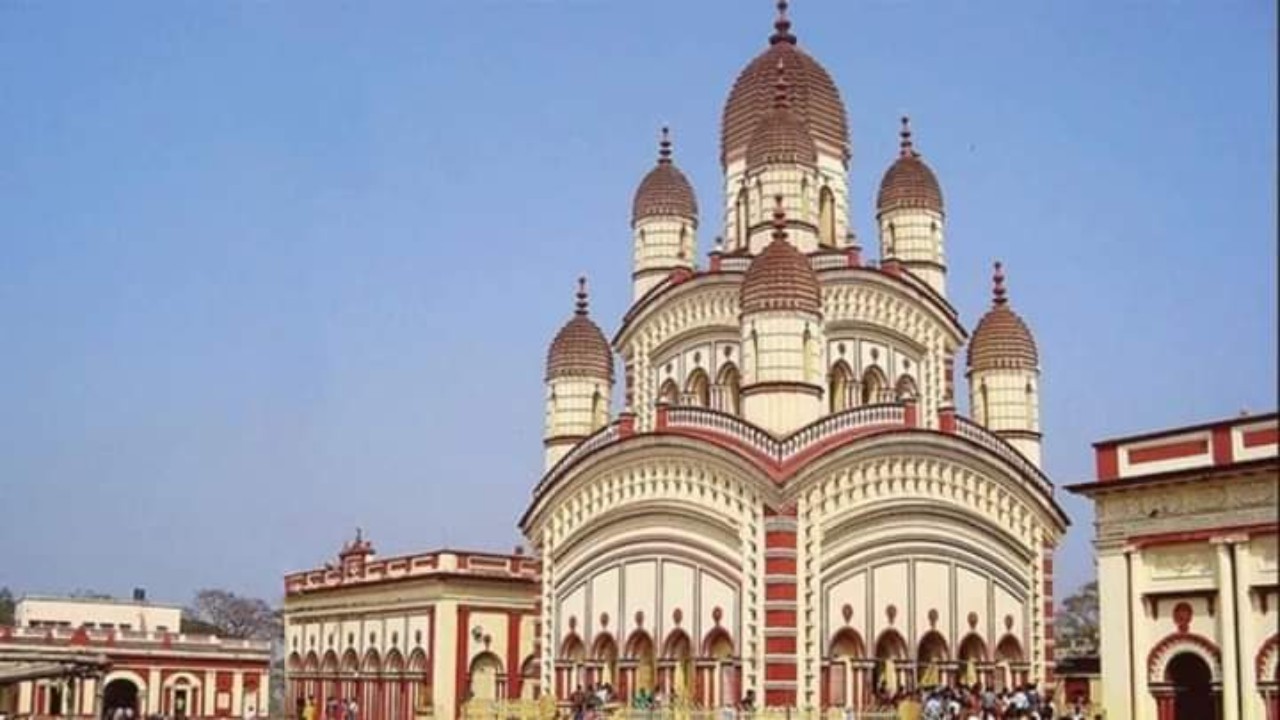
x=269, y=271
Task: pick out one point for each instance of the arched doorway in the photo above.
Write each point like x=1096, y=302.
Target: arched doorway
x=1192, y=680
x=891, y=653
x=639, y=651
x=846, y=683
x=120, y=693
x=677, y=654
x=485, y=670
x=840, y=387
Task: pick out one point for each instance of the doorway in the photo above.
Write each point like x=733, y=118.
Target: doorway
x=1192, y=687
x=120, y=693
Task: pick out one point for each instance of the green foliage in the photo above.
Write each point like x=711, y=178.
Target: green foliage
x=1076, y=623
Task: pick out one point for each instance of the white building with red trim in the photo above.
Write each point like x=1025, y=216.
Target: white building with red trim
x=1187, y=524
x=152, y=667
x=411, y=635
x=789, y=503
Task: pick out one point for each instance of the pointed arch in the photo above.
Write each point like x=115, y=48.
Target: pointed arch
x=1176, y=644
x=932, y=648
x=729, y=385
x=294, y=663
x=394, y=663
x=350, y=661
x=311, y=663
x=417, y=661
x=669, y=392
x=677, y=646
x=847, y=643
x=604, y=648
x=572, y=648
x=1267, y=661
x=905, y=389
x=698, y=388
x=717, y=644
x=875, y=386
x=330, y=662
x=972, y=647
x=1009, y=649
x=891, y=646
x=639, y=646
x=530, y=677
x=826, y=217
x=742, y=215
x=372, y=663
x=840, y=387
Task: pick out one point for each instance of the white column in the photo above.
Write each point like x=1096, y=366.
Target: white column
x=1250, y=640
x=209, y=694
x=151, y=703
x=1227, y=631
x=237, y=694
x=1144, y=705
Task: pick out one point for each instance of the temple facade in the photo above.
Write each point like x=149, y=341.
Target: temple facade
x=789, y=504
x=1188, y=587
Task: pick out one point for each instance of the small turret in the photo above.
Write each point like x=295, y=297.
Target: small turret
x=664, y=222
x=1004, y=375
x=579, y=380
x=910, y=216
x=782, y=337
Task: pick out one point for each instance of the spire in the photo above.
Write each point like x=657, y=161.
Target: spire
x=781, y=91
x=906, y=149
x=782, y=26
x=664, y=147
x=580, y=307
x=997, y=290
x=779, y=219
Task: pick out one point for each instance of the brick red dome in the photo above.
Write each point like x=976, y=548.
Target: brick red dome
x=780, y=135
x=1002, y=340
x=780, y=278
x=814, y=96
x=580, y=348
x=664, y=191
x=909, y=182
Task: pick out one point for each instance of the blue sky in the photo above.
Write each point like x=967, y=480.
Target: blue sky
x=269, y=271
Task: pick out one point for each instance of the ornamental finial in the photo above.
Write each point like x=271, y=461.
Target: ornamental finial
x=664, y=146
x=906, y=149
x=782, y=26
x=779, y=219
x=998, y=291
x=580, y=307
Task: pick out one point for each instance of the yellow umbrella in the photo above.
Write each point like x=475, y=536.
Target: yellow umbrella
x=930, y=677
x=970, y=672
x=890, y=677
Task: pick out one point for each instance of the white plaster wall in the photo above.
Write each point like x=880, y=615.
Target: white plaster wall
x=661, y=244
x=916, y=240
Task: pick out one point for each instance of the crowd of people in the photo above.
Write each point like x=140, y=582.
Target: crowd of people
x=961, y=702
x=334, y=709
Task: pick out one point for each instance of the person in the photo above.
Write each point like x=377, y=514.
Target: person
x=250, y=713
x=309, y=708
x=353, y=710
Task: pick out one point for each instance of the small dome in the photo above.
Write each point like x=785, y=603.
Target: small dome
x=781, y=136
x=814, y=98
x=665, y=191
x=580, y=348
x=909, y=182
x=1002, y=340
x=780, y=278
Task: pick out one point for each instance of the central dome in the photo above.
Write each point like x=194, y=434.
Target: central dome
x=814, y=96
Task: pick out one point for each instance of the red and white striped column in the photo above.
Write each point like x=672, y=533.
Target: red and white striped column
x=780, y=632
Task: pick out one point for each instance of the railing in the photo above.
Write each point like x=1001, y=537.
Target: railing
x=782, y=450
x=599, y=439
x=829, y=261
x=735, y=263
x=62, y=635
x=970, y=430
x=543, y=710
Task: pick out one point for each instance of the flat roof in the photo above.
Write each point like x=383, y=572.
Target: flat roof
x=98, y=601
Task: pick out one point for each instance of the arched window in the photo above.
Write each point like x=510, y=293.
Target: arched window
x=985, y=413
x=683, y=251
x=840, y=387
x=808, y=354
x=729, y=388
x=875, y=387
x=906, y=389
x=698, y=389
x=599, y=411
x=827, y=217
x=669, y=393
x=742, y=217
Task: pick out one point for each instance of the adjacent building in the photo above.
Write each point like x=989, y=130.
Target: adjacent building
x=412, y=635
x=151, y=666
x=1187, y=571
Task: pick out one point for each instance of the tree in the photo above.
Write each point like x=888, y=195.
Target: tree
x=1076, y=624
x=232, y=616
x=6, y=606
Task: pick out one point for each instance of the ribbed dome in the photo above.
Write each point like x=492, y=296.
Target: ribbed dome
x=780, y=278
x=781, y=136
x=1002, y=340
x=814, y=97
x=665, y=191
x=580, y=348
x=909, y=182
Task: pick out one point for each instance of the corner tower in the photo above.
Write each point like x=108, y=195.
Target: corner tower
x=579, y=380
x=819, y=199
x=1004, y=375
x=664, y=222
x=782, y=336
x=910, y=216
